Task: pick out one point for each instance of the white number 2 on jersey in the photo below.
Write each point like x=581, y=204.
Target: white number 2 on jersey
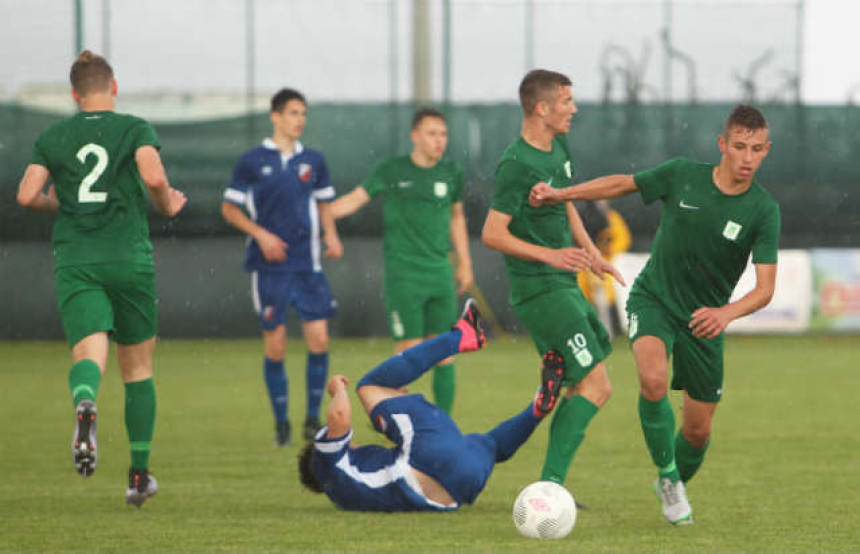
x=84, y=193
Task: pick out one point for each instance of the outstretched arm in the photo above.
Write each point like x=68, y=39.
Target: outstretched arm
x=709, y=322
x=339, y=413
x=602, y=188
x=30, y=190
x=599, y=266
x=497, y=236
x=460, y=240
x=167, y=199
x=349, y=203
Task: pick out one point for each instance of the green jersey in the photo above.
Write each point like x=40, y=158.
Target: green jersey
x=417, y=212
x=103, y=201
x=523, y=166
x=705, y=236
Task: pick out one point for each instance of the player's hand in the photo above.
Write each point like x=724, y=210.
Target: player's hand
x=542, y=194
x=273, y=247
x=52, y=193
x=333, y=247
x=336, y=383
x=571, y=259
x=600, y=267
x=177, y=201
x=708, y=323
x=464, y=278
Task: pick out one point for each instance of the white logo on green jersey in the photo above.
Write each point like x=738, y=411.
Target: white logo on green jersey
x=580, y=350
x=632, y=325
x=687, y=206
x=732, y=230
x=567, y=169
x=404, y=184
x=440, y=189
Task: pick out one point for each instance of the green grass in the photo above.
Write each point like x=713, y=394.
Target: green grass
x=782, y=473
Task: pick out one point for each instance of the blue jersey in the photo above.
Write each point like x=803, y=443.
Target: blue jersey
x=280, y=193
x=373, y=478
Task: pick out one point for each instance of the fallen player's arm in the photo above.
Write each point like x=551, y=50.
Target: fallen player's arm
x=339, y=413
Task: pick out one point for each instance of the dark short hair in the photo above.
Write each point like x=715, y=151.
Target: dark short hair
x=540, y=85
x=423, y=114
x=306, y=473
x=90, y=73
x=746, y=117
x=280, y=99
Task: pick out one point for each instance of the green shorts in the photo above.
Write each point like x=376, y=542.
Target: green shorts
x=420, y=305
x=115, y=297
x=697, y=364
x=564, y=321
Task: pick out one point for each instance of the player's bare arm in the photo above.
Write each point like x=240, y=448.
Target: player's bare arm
x=599, y=266
x=708, y=322
x=273, y=247
x=497, y=236
x=31, y=190
x=339, y=413
x=349, y=203
x=167, y=199
x=333, y=246
x=602, y=188
x=460, y=241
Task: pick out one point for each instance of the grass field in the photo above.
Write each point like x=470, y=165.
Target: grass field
x=782, y=474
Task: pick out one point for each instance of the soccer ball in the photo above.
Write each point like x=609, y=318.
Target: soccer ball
x=544, y=510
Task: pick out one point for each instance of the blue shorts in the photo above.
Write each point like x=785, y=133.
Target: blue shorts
x=307, y=292
x=460, y=463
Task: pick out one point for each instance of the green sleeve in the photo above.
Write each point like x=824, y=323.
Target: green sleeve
x=457, y=195
x=37, y=155
x=377, y=180
x=145, y=135
x=512, y=188
x=766, y=244
x=656, y=182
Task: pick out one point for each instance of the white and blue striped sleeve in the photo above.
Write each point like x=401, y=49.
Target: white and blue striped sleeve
x=237, y=191
x=323, y=190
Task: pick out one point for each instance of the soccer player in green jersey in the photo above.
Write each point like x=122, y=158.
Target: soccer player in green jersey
x=102, y=165
x=542, y=262
x=423, y=217
x=714, y=217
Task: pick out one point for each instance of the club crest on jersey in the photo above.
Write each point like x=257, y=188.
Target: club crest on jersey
x=305, y=172
x=732, y=230
x=567, y=169
x=440, y=189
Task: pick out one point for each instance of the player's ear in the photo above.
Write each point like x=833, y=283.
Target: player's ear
x=114, y=87
x=76, y=97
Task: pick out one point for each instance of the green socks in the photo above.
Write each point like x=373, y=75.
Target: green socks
x=658, y=426
x=84, y=380
x=688, y=457
x=140, y=420
x=566, y=432
x=444, y=387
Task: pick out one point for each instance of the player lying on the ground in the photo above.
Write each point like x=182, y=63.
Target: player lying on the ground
x=433, y=467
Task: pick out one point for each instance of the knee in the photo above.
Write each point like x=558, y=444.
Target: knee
x=596, y=389
x=697, y=434
x=653, y=385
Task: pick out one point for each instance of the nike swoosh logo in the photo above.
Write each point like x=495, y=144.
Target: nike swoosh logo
x=687, y=206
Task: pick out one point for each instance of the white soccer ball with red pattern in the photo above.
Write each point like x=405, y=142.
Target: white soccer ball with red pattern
x=544, y=510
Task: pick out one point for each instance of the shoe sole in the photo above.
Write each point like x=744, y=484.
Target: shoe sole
x=552, y=377
x=472, y=316
x=83, y=451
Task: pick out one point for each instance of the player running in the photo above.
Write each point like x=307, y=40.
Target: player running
x=423, y=218
x=433, y=467
x=286, y=191
x=542, y=262
x=103, y=165
x=714, y=217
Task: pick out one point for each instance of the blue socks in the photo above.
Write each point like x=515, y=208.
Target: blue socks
x=401, y=369
x=514, y=432
x=276, y=383
x=316, y=372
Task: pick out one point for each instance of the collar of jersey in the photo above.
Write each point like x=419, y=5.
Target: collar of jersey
x=270, y=144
